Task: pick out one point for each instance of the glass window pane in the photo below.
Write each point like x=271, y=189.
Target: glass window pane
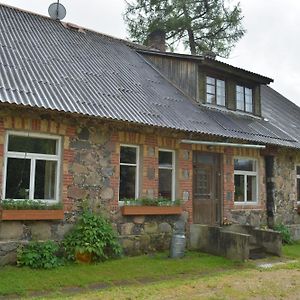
x=244, y=165
x=165, y=159
x=248, y=92
x=240, y=105
x=221, y=100
x=239, y=186
x=239, y=89
x=251, y=189
x=249, y=103
x=249, y=107
x=210, y=80
x=221, y=84
x=31, y=144
x=128, y=155
x=210, y=98
x=127, y=182
x=298, y=170
x=17, y=178
x=210, y=89
x=165, y=183
x=45, y=180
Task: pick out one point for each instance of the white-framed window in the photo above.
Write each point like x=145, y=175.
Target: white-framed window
x=129, y=172
x=215, y=91
x=245, y=180
x=244, y=99
x=31, y=166
x=166, y=174
x=298, y=183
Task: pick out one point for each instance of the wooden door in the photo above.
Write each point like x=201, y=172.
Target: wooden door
x=206, y=188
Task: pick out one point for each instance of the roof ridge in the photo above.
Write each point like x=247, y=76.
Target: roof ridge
x=24, y=10
x=129, y=43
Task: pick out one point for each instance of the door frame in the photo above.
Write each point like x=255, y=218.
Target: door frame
x=221, y=184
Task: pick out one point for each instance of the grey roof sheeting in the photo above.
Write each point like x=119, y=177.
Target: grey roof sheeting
x=43, y=64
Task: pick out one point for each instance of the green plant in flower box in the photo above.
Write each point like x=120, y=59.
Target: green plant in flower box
x=26, y=204
x=151, y=202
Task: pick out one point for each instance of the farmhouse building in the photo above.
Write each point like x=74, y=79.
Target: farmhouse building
x=88, y=117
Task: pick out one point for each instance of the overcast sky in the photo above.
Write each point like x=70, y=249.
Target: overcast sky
x=270, y=47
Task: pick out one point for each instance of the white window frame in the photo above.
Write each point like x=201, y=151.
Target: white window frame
x=173, y=168
x=215, y=85
x=33, y=158
x=137, y=169
x=246, y=174
x=297, y=177
x=244, y=98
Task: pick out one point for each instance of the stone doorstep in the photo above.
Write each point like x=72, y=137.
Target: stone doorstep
x=269, y=265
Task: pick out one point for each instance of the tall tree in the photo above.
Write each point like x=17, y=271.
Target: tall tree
x=200, y=25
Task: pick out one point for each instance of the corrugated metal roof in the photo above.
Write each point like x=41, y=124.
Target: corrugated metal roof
x=43, y=64
x=281, y=112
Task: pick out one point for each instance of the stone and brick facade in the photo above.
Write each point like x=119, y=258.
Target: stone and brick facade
x=90, y=171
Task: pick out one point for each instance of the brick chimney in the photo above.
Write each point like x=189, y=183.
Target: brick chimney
x=157, y=40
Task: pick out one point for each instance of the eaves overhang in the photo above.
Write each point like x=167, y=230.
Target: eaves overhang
x=213, y=64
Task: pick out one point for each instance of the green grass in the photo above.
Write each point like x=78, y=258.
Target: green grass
x=23, y=281
x=15, y=280
x=292, y=251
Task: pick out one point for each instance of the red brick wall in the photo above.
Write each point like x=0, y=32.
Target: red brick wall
x=149, y=143
x=48, y=127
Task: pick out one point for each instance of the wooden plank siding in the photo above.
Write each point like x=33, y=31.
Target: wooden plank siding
x=183, y=73
x=190, y=77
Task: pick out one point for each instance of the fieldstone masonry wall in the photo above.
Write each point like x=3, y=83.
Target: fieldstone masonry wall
x=286, y=186
x=90, y=170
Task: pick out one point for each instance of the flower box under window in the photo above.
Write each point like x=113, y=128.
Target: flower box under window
x=27, y=214
x=150, y=210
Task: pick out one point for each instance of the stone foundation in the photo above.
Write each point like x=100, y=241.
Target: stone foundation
x=146, y=234
x=252, y=217
x=295, y=231
x=16, y=233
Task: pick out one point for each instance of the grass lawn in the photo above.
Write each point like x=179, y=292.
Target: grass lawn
x=281, y=282
x=15, y=280
x=197, y=276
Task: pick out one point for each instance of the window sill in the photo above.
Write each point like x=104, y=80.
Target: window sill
x=23, y=215
x=150, y=210
x=246, y=203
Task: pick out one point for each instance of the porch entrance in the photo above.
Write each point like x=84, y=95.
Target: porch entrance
x=206, y=188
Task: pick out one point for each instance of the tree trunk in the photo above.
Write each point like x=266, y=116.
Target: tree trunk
x=192, y=41
x=190, y=31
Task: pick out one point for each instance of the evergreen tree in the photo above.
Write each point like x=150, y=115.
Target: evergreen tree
x=201, y=25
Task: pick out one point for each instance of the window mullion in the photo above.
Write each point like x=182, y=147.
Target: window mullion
x=215, y=91
x=32, y=178
x=245, y=188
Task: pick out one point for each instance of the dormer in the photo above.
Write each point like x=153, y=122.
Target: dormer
x=210, y=82
x=230, y=88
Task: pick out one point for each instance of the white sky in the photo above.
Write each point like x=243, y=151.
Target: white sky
x=270, y=47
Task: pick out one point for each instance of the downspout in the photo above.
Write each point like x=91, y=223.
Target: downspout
x=270, y=189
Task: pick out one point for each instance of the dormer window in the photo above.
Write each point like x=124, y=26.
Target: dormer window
x=215, y=91
x=244, y=99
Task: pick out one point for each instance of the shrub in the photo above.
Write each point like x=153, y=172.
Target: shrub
x=92, y=234
x=39, y=255
x=285, y=233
